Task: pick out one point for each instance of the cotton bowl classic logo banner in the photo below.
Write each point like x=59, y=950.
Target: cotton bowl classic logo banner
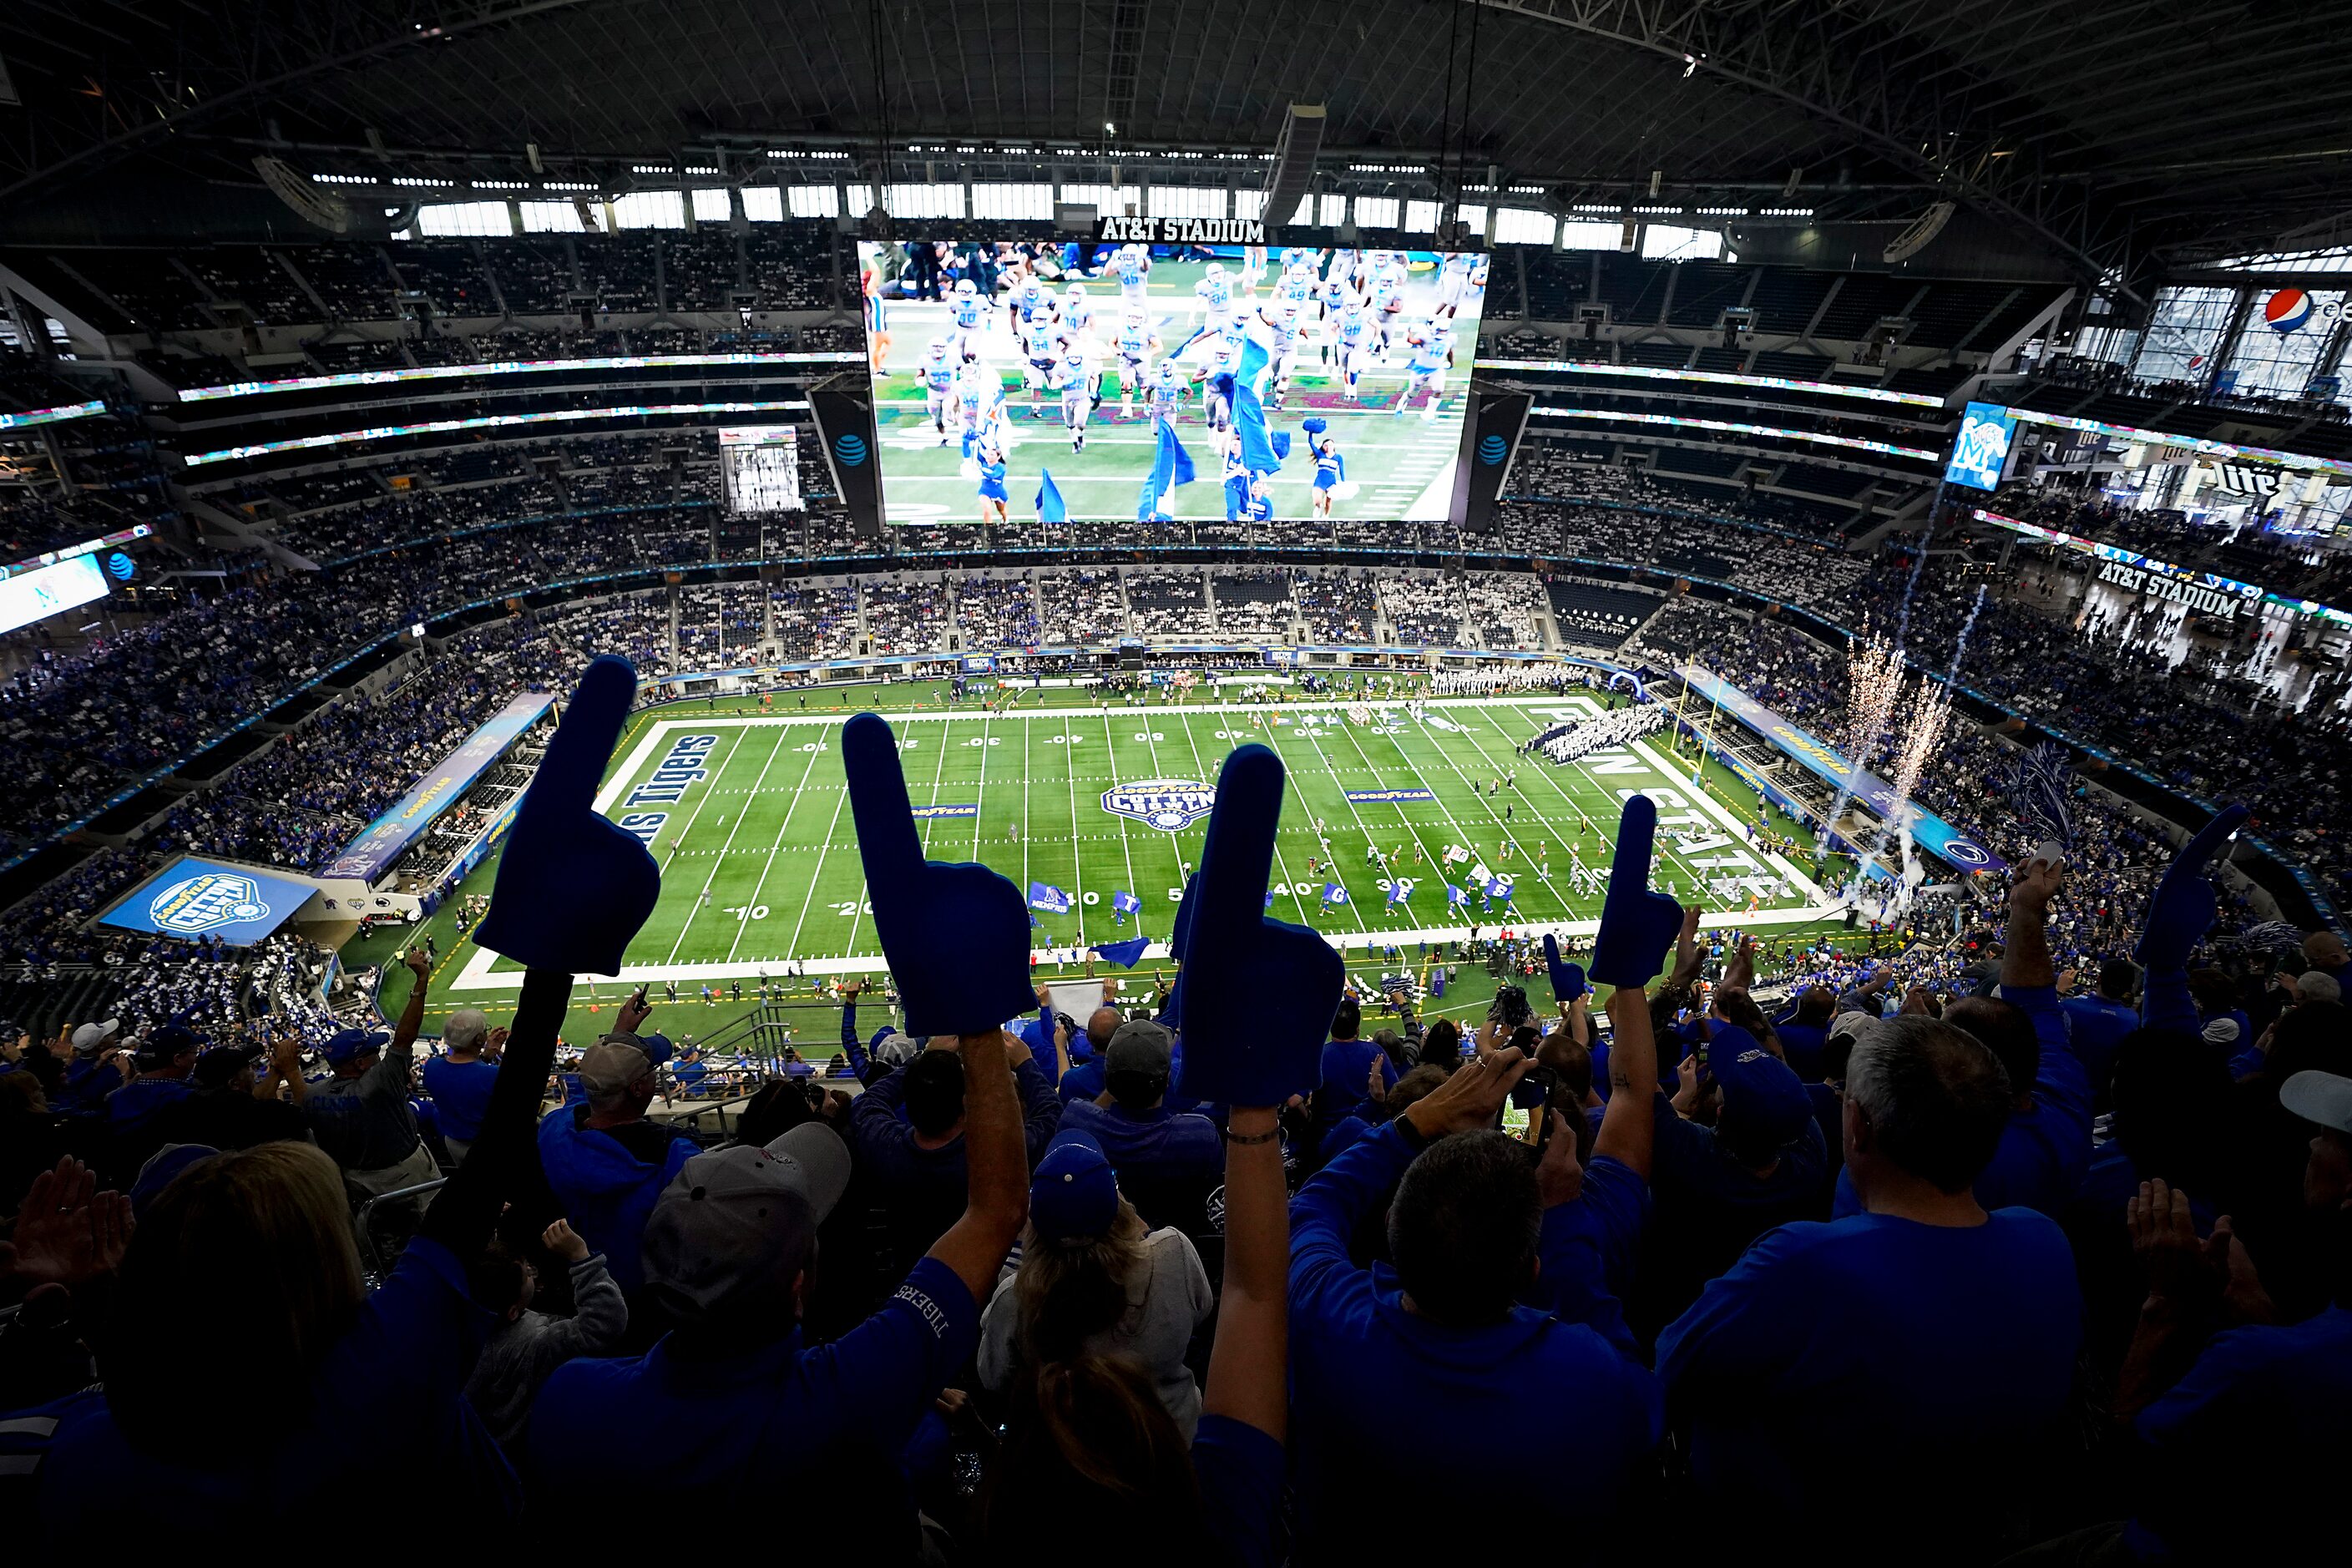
x=1165, y=803
x=200, y=898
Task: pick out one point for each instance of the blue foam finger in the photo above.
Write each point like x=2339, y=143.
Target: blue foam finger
x=1180, y=941
x=956, y=935
x=2181, y=909
x=1567, y=979
x=574, y=889
x=1638, y=927
x=1258, y=993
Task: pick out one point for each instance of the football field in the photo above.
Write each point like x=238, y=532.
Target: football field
x=1402, y=466
x=1078, y=802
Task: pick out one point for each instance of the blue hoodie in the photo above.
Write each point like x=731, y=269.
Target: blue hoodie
x=606, y=1191
x=1157, y=1142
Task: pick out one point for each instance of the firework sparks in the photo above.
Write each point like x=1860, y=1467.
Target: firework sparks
x=1923, y=737
x=1874, y=683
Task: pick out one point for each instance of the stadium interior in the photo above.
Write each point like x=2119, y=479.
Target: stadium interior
x=1908, y=444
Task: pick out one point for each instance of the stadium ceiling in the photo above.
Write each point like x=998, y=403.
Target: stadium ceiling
x=2106, y=131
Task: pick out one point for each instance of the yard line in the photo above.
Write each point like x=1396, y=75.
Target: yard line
x=1435, y=860
x=710, y=788
x=1438, y=740
x=1078, y=855
x=1331, y=876
x=1024, y=815
x=824, y=848
x=980, y=788
x=695, y=908
x=857, y=910
x=768, y=864
x=1288, y=885
x=1125, y=847
x=1608, y=792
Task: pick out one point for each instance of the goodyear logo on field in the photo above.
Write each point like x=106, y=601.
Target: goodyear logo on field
x=925, y=813
x=850, y=447
x=1165, y=803
x=1385, y=797
x=206, y=902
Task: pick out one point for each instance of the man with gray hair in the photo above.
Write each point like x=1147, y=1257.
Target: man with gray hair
x=1906, y=1363
x=605, y=1162
x=460, y=1082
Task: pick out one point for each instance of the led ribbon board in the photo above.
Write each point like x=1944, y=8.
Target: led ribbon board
x=1720, y=378
x=503, y=367
x=484, y=422
x=2209, y=592
x=1676, y=421
x=58, y=416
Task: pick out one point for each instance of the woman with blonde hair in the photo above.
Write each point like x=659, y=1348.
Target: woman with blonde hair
x=1092, y=1279
x=250, y=1379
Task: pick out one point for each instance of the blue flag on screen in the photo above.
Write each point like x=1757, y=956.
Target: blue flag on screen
x=1399, y=890
x=1334, y=894
x=1125, y=903
x=1454, y=897
x=1170, y=466
x=1046, y=897
x=1124, y=953
x=1050, y=508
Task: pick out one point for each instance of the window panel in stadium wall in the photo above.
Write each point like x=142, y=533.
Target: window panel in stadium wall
x=1103, y=382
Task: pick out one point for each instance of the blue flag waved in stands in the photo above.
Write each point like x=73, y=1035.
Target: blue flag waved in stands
x=1126, y=954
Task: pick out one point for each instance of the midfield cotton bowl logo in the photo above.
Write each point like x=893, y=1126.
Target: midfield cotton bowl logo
x=1165, y=803
x=207, y=901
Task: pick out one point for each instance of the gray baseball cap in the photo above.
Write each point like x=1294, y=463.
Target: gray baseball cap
x=737, y=1224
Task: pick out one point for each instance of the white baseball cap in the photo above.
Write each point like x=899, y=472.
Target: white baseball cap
x=2322, y=1097
x=89, y=1036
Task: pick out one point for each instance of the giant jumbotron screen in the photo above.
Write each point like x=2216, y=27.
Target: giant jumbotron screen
x=1103, y=382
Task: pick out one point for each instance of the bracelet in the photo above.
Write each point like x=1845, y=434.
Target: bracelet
x=1251, y=1139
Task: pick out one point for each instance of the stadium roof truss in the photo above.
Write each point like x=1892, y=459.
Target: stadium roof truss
x=2101, y=128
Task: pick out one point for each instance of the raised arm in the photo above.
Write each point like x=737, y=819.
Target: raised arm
x=996, y=1164
x=1635, y=926
x=1249, y=1358
x=573, y=890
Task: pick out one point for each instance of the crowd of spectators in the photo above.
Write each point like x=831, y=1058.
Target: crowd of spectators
x=1506, y=609
x=1082, y=605
x=1423, y=608
x=1168, y=602
x=904, y=614
x=1254, y=602
x=997, y=612
x=1338, y=606
x=1803, y=1269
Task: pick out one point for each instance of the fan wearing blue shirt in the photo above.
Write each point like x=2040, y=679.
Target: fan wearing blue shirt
x=1860, y=1376
x=1150, y=1146
x=460, y=1082
x=1347, y=1067
x=2045, y=1150
x=1435, y=1352
x=734, y=1396
x=2097, y=1023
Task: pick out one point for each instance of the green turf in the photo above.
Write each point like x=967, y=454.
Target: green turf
x=1403, y=467
x=769, y=832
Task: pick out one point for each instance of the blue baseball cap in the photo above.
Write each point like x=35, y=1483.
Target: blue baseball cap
x=349, y=1045
x=657, y=1047
x=167, y=1041
x=1074, y=1197
x=1761, y=1095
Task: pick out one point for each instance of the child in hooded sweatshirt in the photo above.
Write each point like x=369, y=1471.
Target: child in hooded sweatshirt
x=524, y=1346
